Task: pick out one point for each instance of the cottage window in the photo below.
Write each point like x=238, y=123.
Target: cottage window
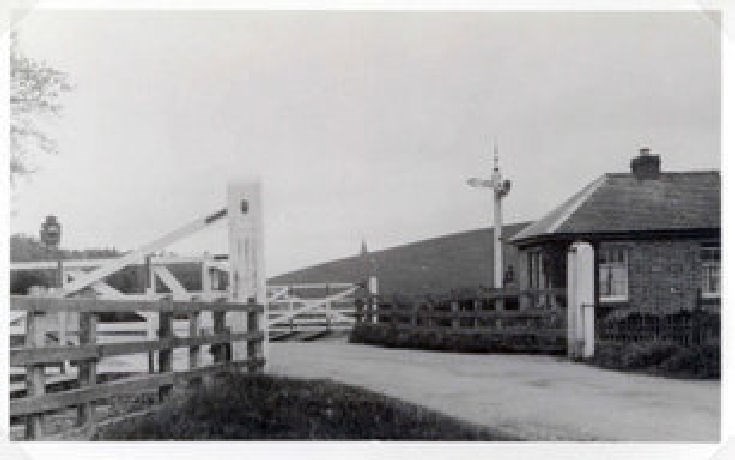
x=710, y=257
x=613, y=268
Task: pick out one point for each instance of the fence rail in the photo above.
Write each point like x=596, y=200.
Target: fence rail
x=532, y=329
x=35, y=355
x=92, y=305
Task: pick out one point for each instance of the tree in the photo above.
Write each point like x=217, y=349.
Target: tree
x=35, y=89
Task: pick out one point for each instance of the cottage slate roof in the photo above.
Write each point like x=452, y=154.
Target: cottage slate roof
x=619, y=202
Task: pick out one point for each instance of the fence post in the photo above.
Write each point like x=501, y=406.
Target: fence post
x=62, y=320
x=87, y=369
x=477, y=308
x=290, y=310
x=220, y=354
x=327, y=311
x=35, y=378
x=193, y=332
x=218, y=350
x=358, y=311
x=152, y=319
x=697, y=316
x=254, y=346
x=454, y=305
x=165, y=363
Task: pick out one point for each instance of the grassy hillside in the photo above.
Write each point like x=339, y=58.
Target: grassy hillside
x=436, y=265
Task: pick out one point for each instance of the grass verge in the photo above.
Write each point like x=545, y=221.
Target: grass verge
x=262, y=407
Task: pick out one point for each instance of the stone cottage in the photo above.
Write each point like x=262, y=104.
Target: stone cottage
x=644, y=240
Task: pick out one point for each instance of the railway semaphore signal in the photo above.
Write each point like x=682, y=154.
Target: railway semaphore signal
x=500, y=188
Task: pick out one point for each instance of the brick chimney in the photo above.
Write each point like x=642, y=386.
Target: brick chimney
x=645, y=165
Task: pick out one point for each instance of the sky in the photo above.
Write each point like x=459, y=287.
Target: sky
x=361, y=125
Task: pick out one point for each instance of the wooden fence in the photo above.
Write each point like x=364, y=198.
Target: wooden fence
x=481, y=317
x=36, y=356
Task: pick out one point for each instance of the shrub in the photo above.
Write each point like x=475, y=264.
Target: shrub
x=434, y=341
x=367, y=333
x=607, y=355
x=701, y=361
x=643, y=355
x=388, y=336
x=660, y=358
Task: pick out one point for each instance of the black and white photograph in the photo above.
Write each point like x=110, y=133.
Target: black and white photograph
x=480, y=228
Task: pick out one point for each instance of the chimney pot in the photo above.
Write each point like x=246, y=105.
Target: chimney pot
x=645, y=165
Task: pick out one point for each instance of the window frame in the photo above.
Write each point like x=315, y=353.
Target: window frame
x=706, y=276
x=615, y=258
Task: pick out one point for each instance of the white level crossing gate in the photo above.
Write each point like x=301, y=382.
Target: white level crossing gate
x=295, y=308
x=311, y=307
x=245, y=268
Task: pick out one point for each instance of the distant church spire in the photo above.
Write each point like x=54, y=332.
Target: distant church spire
x=363, y=248
x=495, y=155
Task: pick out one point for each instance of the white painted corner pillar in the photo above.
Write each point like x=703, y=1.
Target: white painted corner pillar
x=580, y=300
x=247, y=261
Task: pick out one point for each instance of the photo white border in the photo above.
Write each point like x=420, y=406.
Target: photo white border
x=377, y=449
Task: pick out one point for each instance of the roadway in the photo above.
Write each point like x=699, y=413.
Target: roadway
x=532, y=397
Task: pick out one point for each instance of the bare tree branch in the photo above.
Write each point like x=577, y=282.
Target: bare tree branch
x=35, y=89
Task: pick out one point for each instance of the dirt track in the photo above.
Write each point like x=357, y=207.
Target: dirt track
x=534, y=397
